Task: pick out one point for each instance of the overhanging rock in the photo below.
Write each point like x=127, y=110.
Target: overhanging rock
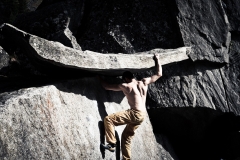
x=60, y=55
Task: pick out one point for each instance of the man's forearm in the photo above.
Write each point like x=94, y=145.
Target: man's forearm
x=158, y=68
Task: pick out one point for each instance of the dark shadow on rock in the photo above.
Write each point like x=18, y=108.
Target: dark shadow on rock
x=118, y=149
x=102, y=137
x=103, y=114
x=92, y=89
x=198, y=133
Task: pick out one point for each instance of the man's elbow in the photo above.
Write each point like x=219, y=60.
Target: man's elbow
x=159, y=74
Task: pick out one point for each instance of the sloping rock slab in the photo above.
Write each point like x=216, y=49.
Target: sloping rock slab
x=65, y=121
x=58, y=54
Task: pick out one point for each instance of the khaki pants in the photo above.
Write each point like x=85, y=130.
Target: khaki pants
x=133, y=119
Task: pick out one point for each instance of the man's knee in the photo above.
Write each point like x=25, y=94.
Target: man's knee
x=127, y=135
x=107, y=119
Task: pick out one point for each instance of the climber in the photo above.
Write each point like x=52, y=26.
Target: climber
x=136, y=92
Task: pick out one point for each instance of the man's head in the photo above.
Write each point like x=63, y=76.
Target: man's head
x=127, y=76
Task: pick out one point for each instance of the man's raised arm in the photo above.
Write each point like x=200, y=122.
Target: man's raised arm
x=157, y=75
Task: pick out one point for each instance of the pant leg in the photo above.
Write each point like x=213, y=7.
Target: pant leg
x=119, y=118
x=127, y=136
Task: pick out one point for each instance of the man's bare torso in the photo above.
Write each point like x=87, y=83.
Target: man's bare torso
x=136, y=93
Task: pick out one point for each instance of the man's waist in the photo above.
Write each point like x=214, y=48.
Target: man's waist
x=138, y=110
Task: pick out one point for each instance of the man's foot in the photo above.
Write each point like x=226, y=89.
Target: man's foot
x=110, y=147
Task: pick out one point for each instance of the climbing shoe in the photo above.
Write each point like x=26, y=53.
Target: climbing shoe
x=110, y=147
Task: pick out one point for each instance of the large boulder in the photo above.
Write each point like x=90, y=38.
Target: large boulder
x=65, y=121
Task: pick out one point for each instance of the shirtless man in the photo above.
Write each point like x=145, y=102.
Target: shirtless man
x=136, y=92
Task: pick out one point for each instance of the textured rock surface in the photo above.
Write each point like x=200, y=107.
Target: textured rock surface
x=232, y=9
x=54, y=22
x=4, y=58
x=199, y=23
x=123, y=26
x=64, y=121
x=58, y=54
x=32, y=5
x=67, y=39
x=189, y=84
x=231, y=72
x=231, y=75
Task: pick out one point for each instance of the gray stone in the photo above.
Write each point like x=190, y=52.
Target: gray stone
x=55, y=22
x=189, y=84
x=114, y=64
x=4, y=58
x=67, y=39
x=232, y=8
x=64, y=121
x=32, y=5
x=199, y=23
x=128, y=26
x=231, y=76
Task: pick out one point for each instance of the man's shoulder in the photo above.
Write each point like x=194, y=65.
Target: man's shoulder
x=143, y=81
x=124, y=85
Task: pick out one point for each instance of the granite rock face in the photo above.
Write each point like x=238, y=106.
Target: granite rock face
x=232, y=9
x=231, y=75
x=189, y=84
x=123, y=26
x=55, y=22
x=4, y=58
x=231, y=72
x=199, y=23
x=32, y=5
x=65, y=121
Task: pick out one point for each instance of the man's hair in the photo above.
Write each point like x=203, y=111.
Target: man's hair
x=127, y=74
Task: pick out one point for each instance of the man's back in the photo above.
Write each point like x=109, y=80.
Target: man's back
x=136, y=93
